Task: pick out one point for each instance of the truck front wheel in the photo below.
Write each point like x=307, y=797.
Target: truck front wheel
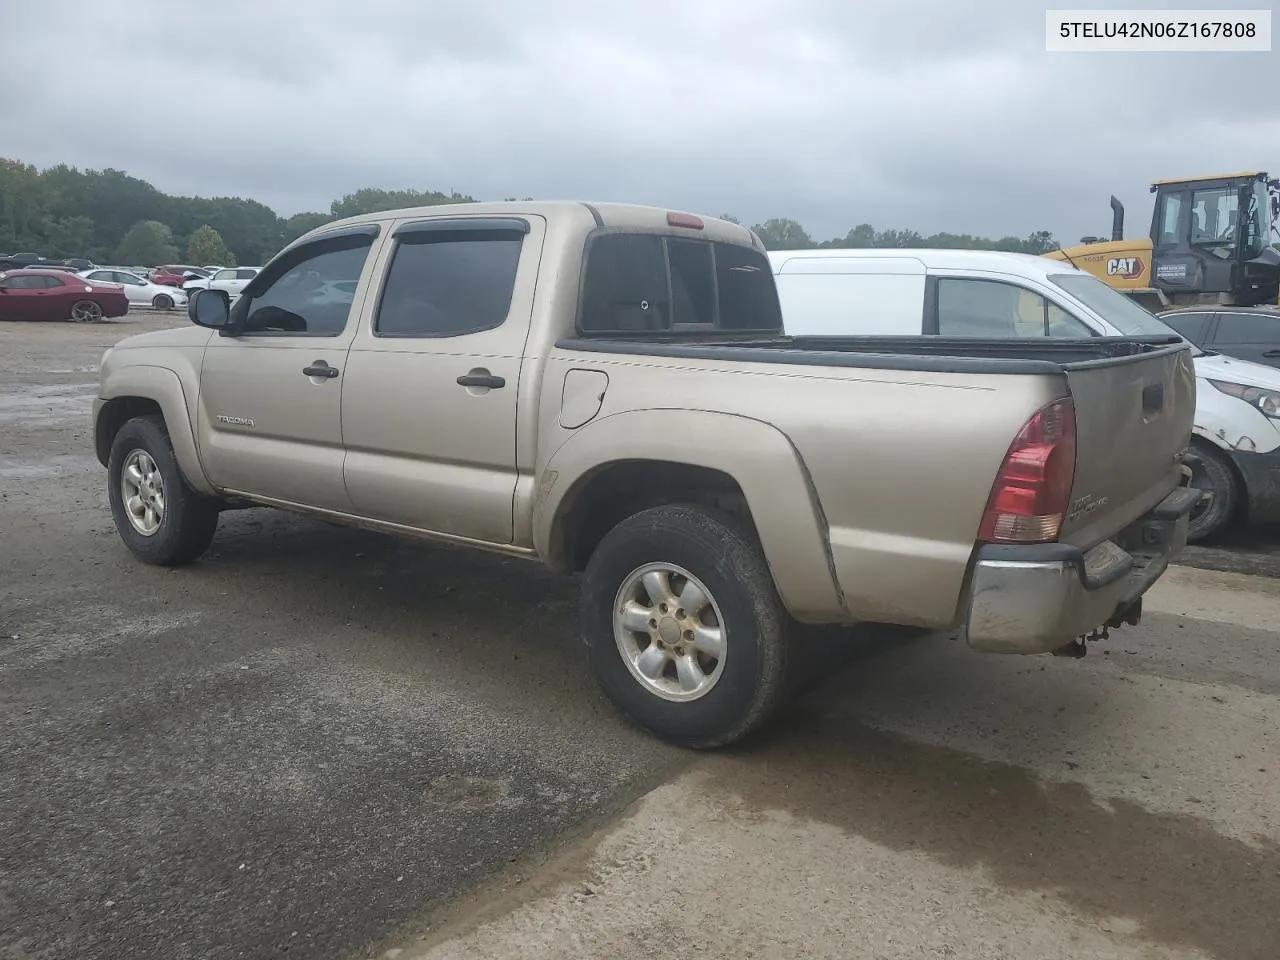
x=684, y=628
x=158, y=516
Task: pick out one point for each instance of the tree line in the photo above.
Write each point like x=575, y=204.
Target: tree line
x=110, y=217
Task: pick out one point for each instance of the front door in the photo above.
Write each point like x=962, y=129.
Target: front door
x=29, y=298
x=429, y=416
x=1249, y=335
x=270, y=415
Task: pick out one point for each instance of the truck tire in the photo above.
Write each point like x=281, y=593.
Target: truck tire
x=158, y=516
x=1212, y=474
x=684, y=628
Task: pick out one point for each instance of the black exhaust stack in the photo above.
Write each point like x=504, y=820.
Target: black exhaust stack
x=1117, y=218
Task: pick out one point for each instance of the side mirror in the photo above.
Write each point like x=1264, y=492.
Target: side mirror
x=209, y=308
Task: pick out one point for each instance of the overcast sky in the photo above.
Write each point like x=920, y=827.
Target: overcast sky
x=929, y=114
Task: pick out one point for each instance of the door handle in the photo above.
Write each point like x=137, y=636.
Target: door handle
x=481, y=380
x=321, y=370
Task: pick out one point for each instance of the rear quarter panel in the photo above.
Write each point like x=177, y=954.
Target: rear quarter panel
x=895, y=466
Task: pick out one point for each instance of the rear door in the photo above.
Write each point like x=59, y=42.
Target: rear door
x=25, y=298
x=1133, y=425
x=1249, y=335
x=429, y=408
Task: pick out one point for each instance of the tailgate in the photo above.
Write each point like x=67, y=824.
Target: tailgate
x=1133, y=424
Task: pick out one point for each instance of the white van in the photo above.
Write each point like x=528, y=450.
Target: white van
x=1235, y=455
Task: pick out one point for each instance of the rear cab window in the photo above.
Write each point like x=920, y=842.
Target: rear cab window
x=649, y=283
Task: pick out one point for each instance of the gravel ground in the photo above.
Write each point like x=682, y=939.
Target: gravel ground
x=323, y=743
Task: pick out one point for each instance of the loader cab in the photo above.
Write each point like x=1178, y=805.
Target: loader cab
x=1211, y=238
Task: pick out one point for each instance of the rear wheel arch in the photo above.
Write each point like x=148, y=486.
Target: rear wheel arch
x=736, y=465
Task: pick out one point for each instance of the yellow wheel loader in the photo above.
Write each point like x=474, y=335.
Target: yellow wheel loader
x=1211, y=242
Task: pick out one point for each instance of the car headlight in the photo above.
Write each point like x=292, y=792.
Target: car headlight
x=1268, y=401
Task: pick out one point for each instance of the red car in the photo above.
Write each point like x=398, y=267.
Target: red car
x=54, y=295
x=174, y=275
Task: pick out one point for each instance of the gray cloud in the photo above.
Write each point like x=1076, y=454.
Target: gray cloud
x=929, y=114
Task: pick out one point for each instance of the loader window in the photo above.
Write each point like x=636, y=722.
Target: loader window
x=1213, y=216
x=1170, y=215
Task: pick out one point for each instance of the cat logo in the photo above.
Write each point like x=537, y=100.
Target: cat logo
x=1126, y=268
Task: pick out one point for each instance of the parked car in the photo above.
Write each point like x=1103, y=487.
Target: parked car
x=606, y=388
x=27, y=294
x=175, y=275
x=79, y=263
x=1246, y=333
x=1235, y=450
x=231, y=279
x=139, y=290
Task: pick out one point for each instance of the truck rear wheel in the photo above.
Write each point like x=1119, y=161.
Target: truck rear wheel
x=685, y=630
x=1213, y=476
x=158, y=516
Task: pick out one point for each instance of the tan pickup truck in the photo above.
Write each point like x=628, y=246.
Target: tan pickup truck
x=606, y=389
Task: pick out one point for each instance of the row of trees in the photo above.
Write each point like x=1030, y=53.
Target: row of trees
x=111, y=217
x=782, y=234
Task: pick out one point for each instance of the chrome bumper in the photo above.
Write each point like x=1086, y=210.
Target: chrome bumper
x=1041, y=597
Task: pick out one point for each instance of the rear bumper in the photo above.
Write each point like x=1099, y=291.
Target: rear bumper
x=1261, y=473
x=1040, y=597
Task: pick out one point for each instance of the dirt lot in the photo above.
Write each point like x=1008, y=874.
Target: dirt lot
x=322, y=743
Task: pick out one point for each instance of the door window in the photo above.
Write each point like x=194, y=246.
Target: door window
x=1247, y=328
x=1192, y=326
x=990, y=308
x=1213, y=216
x=24, y=283
x=443, y=284
x=308, y=291
x=245, y=274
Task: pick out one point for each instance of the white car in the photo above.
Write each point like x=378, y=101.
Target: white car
x=1235, y=446
x=230, y=279
x=139, y=290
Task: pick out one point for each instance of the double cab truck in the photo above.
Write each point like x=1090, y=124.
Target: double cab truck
x=607, y=389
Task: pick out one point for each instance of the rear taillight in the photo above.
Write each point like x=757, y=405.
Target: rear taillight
x=1033, y=488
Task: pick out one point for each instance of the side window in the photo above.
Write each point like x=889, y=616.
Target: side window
x=225, y=275
x=22, y=283
x=1171, y=210
x=625, y=289
x=1193, y=326
x=309, y=291
x=1247, y=328
x=243, y=274
x=103, y=276
x=447, y=284
x=51, y=282
x=988, y=308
